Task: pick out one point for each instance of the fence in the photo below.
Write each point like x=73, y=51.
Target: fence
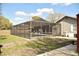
x=4, y=32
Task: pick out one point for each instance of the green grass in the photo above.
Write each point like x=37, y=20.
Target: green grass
x=10, y=50
x=17, y=43
x=9, y=38
x=41, y=45
x=47, y=44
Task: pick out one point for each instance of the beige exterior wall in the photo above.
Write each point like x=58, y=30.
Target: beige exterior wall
x=56, y=30
x=66, y=24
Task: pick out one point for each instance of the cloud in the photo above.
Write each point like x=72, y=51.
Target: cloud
x=40, y=12
x=18, y=20
x=22, y=16
x=67, y=4
x=62, y=4
x=20, y=13
x=45, y=10
x=36, y=14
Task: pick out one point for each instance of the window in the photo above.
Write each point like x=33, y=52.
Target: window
x=71, y=28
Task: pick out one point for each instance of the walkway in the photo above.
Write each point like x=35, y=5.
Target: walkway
x=69, y=50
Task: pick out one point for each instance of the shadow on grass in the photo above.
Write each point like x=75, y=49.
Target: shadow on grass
x=47, y=44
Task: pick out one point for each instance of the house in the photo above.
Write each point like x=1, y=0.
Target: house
x=32, y=28
x=64, y=26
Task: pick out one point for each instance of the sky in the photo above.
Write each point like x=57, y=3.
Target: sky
x=21, y=12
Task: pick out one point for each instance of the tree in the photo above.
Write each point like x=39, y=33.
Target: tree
x=37, y=18
x=5, y=23
x=54, y=17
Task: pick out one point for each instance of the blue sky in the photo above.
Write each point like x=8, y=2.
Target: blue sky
x=20, y=12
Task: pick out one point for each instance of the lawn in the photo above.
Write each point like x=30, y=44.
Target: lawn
x=14, y=45
x=9, y=38
x=47, y=44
